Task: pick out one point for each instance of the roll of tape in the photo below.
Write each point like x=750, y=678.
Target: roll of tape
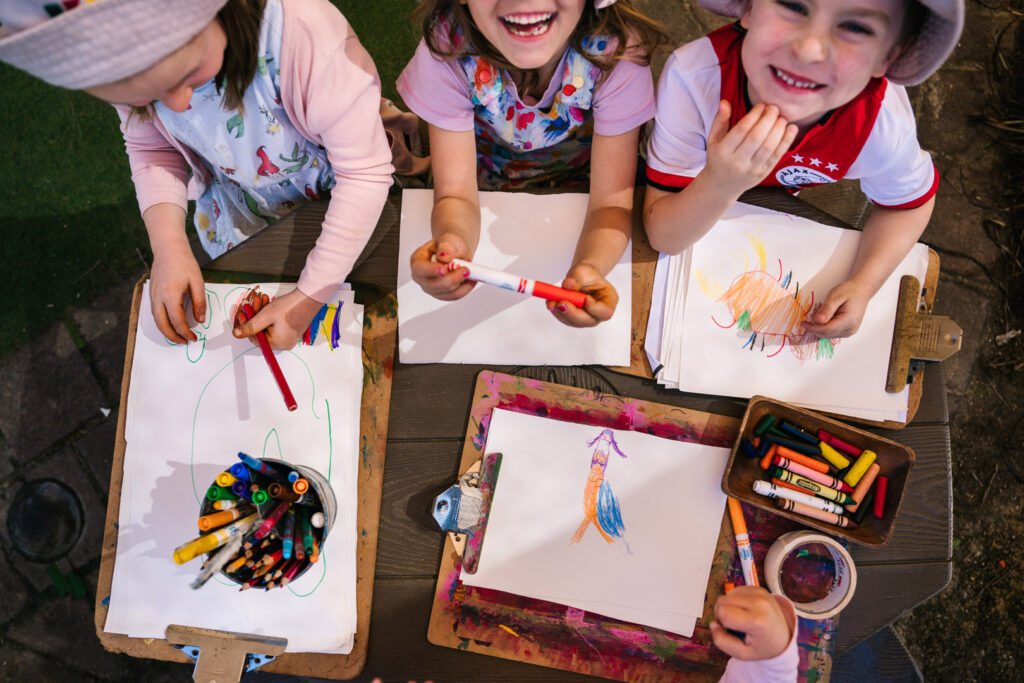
x=844, y=581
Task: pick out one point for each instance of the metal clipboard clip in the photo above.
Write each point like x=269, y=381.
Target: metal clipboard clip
x=461, y=510
x=918, y=336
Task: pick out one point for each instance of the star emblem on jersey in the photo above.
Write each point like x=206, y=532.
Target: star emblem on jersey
x=815, y=162
x=832, y=167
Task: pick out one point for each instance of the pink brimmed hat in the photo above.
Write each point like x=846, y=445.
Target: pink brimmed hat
x=98, y=42
x=938, y=36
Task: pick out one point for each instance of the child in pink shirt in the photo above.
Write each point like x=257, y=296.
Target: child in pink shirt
x=521, y=99
x=266, y=104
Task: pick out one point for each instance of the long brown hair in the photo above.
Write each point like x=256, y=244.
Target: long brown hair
x=637, y=36
x=240, y=20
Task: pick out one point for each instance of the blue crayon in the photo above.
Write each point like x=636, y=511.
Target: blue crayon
x=798, y=433
x=258, y=465
x=240, y=471
x=748, y=449
x=783, y=439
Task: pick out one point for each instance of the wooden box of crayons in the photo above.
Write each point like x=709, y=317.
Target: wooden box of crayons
x=821, y=472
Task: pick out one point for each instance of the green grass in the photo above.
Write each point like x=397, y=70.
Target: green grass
x=70, y=223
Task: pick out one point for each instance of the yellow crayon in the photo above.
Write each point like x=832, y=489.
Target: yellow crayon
x=860, y=467
x=833, y=456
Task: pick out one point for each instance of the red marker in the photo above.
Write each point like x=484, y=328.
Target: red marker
x=268, y=355
x=523, y=285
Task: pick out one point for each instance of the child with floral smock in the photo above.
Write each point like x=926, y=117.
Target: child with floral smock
x=518, y=97
x=796, y=94
x=268, y=103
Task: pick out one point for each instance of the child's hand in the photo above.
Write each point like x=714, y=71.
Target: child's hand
x=428, y=270
x=739, y=158
x=757, y=613
x=174, y=276
x=841, y=313
x=285, y=319
x=601, y=298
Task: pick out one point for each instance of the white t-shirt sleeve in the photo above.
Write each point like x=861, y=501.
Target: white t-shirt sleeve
x=893, y=169
x=687, y=100
x=436, y=91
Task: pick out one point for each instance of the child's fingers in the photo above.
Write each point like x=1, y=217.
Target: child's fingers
x=727, y=642
x=768, y=153
x=178, y=322
x=736, y=136
x=720, y=124
x=789, y=134
x=424, y=254
x=163, y=324
x=197, y=293
x=754, y=140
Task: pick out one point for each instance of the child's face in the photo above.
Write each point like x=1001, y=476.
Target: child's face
x=172, y=79
x=808, y=57
x=531, y=34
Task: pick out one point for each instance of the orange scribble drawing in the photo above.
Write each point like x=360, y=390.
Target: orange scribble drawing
x=770, y=306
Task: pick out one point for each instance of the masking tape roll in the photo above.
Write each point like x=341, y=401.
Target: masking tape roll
x=844, y=582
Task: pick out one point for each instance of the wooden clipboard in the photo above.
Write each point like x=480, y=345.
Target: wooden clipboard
x=645, y=260
x=379, y=330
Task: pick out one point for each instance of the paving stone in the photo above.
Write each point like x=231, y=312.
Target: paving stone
x=15, y=591
x=96, y=446
x=46, y=392
x=63, y=628
x=6, y=460
x=104, y=327
x=969, y=310
x=64, y=466
x=19, y=664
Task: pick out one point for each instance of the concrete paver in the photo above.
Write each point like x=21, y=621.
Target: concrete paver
x=103, y=325
x=96, y=447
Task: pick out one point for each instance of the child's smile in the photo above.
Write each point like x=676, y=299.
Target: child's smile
x=530, y=34
x=809, y=57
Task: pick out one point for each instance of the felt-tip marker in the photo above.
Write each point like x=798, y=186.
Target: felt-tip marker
x=523, y=285
x=247, y=313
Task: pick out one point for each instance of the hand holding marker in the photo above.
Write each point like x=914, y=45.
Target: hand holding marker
x=245, y=313
x=498, y=278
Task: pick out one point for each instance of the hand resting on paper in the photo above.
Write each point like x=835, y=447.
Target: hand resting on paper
x=428, y=271
x=841, y=313
x=175, y=276
x=285, y=319
x=601, y=298
x=767, y=620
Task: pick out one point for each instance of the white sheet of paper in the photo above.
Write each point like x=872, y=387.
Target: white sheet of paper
x=190, y=410
x=671, y=503
x=705, y=351
x=527, y=235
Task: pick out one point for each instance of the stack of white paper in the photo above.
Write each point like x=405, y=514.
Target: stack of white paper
x=532, y=236
x=190, y=410
x=725, y=317
x=619, y=523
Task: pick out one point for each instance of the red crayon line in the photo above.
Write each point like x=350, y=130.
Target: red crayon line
x=268, y=355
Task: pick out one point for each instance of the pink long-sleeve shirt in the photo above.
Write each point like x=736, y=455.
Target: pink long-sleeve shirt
x=331, y=92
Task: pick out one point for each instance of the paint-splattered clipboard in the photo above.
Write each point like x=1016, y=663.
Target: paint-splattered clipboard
x=917, y=334
x=379, y=330
x=547, y=634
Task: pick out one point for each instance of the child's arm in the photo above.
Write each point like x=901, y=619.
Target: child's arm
x=737, y=160
x=606, y=230
x=768, y=653
x=887, y=238
x=455, y=220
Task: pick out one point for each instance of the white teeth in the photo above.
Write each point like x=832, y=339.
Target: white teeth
x=528, y=18
x=790, y=81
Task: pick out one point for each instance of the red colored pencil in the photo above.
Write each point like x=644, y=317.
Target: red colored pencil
x=261, y=338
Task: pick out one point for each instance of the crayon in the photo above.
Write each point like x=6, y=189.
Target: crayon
x=783, y=439
x=881, y=487
x=765, y=489
x=271, y=520
x=221, y=558
x=858, y=468
x=813, y=475
x=258, y=465
x=786, y=485
x=225, y=504
x=808, y=511
x=225, y=479
x=865, y=505
x=764, y=424
x=247, y=313
x=300, y=486
x=769, y=455
x=260, y=496
x=214, y=539
x=739, y=529
x=287, y=538
x=795, y=431
x=216, y=519
x=862, y=487
x=838, y=443
x=805, y=460
x=317, y=520
x=812, y=486
x=220, y=493
x=239, y=471
x=241, y=490
x=514, y=283
x=833, y=456
x=729, y=587
x=748, y=449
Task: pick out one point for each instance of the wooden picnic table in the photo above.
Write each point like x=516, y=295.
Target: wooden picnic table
x=429, y=408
